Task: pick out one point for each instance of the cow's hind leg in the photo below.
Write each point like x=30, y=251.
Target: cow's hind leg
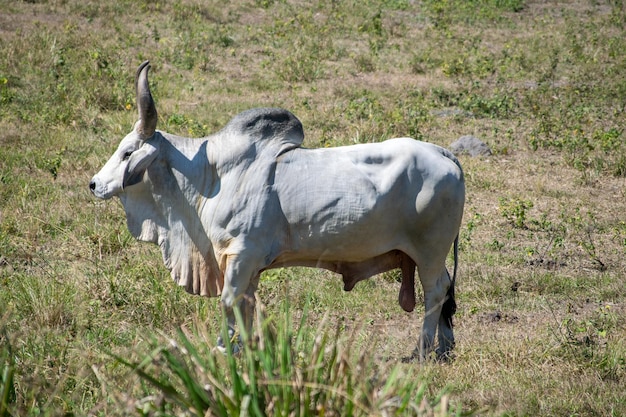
x=436, y=284
x=445, y=332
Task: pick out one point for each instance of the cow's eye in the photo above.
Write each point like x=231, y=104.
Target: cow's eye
x=127, y=155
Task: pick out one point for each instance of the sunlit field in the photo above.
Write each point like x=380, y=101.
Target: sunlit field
x=90, y=320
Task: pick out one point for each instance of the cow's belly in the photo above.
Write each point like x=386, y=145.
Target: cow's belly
x=346, y=243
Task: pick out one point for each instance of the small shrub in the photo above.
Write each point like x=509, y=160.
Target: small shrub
x=446, y=13
x=189, y=127
x=364, y=63
x=515, y=211
x=363, y=106
x=496, y=106
x=589, y=341
x=6, y=93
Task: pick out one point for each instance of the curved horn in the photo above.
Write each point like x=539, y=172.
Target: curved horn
x=145, y=103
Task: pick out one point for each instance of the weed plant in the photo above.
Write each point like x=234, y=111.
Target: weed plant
x=280, y=370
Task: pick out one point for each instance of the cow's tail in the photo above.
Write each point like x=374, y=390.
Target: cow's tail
x=449, y=306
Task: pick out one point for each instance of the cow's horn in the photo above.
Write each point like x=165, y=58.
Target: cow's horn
x=145, y=103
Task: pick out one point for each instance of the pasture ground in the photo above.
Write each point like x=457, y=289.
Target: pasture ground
x=541, y=288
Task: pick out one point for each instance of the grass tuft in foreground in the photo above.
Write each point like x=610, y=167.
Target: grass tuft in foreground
x=280, y=371
x=7, y=370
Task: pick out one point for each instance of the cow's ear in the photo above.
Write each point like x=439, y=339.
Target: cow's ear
x=138, y=162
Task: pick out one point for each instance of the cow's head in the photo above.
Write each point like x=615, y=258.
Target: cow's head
x=135, y=153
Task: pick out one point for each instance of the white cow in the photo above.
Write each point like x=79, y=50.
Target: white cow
x=249, y=198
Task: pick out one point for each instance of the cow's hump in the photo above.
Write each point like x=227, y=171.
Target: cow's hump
x=273, y=126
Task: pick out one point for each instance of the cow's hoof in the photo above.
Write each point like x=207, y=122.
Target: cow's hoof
x=414, y=357
x=409, y=359
x=440, y=356
x=235, y=343
x=444, y=356
x=235, y=348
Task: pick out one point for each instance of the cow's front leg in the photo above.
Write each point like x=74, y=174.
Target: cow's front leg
x=246, y=306
x=240, y=283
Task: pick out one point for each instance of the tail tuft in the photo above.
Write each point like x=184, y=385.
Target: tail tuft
x=449, y=307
